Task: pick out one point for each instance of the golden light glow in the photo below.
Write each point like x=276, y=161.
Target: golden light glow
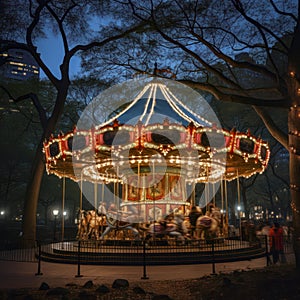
x=97, y=161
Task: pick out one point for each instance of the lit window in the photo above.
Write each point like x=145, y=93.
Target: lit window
x=17, y=63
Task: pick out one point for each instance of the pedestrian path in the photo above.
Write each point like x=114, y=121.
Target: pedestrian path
x=23, y=275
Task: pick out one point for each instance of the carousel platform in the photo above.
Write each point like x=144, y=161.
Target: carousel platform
x=160, y=252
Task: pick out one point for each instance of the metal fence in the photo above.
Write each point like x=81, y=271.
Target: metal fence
x=128, y=252
x=158, y=253
x=18, y=250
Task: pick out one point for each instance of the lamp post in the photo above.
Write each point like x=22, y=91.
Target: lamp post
x=2, y=215
x=55, y=214
x=63, y=226
x=240, y=223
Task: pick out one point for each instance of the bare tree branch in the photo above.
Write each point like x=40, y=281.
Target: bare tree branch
x=282, y=12
x=91, y=45
x=276, y=132
x=244, y=65
x=60, y=26
x=35, y=100
x=236, y=98
x=32, y=49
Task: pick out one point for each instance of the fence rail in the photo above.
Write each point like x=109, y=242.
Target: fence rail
x=126, y=252
x=18, y=250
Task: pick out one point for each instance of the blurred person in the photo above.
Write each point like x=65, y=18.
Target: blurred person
x=276, y=242
x=193, y=216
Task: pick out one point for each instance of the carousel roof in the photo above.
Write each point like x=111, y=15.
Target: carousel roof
x=154, y=103
x=155, y=129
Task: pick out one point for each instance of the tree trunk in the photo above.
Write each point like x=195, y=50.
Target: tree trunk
x=295, y=200
x=293, y=82
x=38, y=168
x=294, y=144
x=31, y=198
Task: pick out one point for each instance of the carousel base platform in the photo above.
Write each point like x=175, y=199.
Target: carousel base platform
x=160, y=252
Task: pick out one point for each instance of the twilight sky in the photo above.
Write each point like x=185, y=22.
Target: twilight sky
x=51, y=51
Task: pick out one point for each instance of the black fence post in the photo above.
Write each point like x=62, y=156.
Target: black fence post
x=39, y=259
x=78, y=260
x=213, y=257
x=144, y=261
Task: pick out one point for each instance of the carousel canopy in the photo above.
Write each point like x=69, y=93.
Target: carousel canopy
x=155, y=131
x=154, y=104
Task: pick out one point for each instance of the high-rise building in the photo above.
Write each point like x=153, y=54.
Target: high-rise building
x=17, y=64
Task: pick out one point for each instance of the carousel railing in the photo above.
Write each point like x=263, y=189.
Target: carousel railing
x=125, y=252
x=130, y=252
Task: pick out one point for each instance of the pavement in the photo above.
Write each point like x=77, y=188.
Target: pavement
x=24, y=274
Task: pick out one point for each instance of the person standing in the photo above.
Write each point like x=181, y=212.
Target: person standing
x=276, y=241
x=193, y=216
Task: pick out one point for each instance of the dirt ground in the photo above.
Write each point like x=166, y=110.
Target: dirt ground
x=275, y=282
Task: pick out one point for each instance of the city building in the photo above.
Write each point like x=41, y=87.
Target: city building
x=17, y=64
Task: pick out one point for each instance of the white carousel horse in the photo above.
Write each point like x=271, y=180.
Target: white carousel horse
x=208, y=226
x=95, y=222
x=171, y=228
x=117, y=221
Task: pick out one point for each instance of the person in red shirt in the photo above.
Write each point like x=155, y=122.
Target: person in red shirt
x=276, y=241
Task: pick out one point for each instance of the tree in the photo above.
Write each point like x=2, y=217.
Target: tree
x=272, y=186
x=17, y=132
x=72, y=21
x=214, y=43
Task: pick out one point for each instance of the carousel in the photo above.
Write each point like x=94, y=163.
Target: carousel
x=145, y=161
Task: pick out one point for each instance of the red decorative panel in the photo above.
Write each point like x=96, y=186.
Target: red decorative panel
x=134, y=192
x=155, y=187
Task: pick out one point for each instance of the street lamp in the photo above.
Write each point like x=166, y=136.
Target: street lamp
x=55, y=214
x=2, y=214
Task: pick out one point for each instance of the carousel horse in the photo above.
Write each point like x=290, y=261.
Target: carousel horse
x=95, y=223
x=89, y=224
x=170, y=228
x=83, y=223
x=208, y=226
x=182, y=225
x=120, y=221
